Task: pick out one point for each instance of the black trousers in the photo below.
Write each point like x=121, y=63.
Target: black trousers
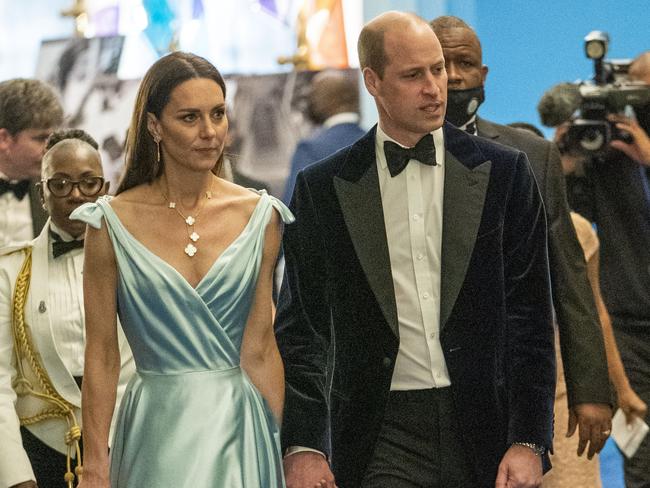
x=419, y=445
x=48, y=464
x=633, y=340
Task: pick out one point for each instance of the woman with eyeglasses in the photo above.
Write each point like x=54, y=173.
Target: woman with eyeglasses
x=186, y=259
x=42, y=326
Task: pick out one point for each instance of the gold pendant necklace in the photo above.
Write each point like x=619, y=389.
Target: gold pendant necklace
x=190, y=222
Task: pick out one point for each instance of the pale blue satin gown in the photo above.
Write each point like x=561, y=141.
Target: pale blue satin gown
x=190, y=417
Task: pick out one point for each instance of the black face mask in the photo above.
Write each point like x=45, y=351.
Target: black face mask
x=463, y=104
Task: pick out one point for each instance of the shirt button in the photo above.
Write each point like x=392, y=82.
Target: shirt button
x=420, y=257
x=432, y=335
x=425, y=295
x=416, y=217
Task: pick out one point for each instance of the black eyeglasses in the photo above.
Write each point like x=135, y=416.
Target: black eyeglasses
x=62, y=187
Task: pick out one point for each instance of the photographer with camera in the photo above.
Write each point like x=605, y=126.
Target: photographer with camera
x=610, y=186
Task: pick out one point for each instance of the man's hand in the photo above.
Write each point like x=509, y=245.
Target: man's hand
x=519, y=468
x=595, y=422
x=639, y=149
x=25, y=484
x=307, y=470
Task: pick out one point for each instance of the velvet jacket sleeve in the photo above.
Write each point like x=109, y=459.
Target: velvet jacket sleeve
x=303, y=327
x=530, y=357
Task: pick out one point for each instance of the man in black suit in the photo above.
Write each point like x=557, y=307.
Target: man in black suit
x=581, y=338
x=425, y=269
x=29, y=113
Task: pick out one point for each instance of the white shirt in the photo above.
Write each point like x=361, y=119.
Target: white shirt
x=341, y=118
x=412, y=206
x=65, y=295
x=15, y=218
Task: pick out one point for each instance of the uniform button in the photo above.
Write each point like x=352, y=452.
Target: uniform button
x=420, y=257
x=432, y=335
x=425, y=295
x=41, y=307
x=386, y=362
x=416, y=217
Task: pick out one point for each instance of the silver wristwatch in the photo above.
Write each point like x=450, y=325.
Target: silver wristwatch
x=538, y=450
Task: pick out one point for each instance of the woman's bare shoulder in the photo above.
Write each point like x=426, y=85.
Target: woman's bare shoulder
x=237, y=197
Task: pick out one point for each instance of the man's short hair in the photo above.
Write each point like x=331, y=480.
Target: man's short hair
x=63, y=134
x=371, y=50
x=28, y=104
x=445, y=22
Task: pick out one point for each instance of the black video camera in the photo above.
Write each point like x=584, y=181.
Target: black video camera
x=609, y=92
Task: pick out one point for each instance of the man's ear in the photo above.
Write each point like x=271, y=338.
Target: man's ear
x=5, y=139
x=153, y=125
x=484, y=73
x=370, y=79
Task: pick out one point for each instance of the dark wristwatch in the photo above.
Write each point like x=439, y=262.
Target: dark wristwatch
x=538, y=450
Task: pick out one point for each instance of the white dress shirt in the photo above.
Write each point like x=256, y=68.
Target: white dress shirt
x=342, y=118
x=15, y=219
x=65, y=294
x=412, y=206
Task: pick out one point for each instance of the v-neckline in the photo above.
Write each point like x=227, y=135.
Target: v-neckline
x=169, y=266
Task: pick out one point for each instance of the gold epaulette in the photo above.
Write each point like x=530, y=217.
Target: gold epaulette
x=32, y=379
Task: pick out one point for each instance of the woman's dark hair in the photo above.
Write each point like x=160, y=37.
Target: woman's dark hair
x=63, y=134
x=153, y=95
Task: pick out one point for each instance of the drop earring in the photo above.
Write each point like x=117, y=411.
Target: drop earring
x=157, y=150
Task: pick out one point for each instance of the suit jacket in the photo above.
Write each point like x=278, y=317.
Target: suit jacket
x=323, y=143
x=495, y=312
x=14, y=463
x=581, y=336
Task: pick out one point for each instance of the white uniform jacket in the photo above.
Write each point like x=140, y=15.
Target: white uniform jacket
x=14, y=463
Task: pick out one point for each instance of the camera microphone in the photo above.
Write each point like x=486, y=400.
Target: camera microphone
x=558, y=104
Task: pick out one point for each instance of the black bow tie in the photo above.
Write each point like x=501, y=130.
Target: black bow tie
x=60, y=247
x=397, y=157
x=19, y=189
x=471, y=128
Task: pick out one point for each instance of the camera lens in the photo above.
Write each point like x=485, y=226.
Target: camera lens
x=592, y=139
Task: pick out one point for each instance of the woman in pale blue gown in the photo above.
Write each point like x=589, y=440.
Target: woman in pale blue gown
x=186, y=259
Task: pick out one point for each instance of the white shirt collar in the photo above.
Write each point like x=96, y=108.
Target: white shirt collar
x=342, y=118
x=381, y=137
x=470, y=121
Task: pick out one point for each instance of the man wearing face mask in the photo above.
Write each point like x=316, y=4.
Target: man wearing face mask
x=581, y=339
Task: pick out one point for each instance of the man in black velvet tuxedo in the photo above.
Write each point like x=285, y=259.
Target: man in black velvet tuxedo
x=425, y=269
x=581, y=337
x=29, y=113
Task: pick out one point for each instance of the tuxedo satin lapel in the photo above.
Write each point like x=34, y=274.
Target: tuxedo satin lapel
x=362, y=210
x=39, y=216
x=464, y=198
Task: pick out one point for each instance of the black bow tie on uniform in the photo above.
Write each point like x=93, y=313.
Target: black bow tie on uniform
x=19, y=188
x=60, y=247
x=471, y=128
x=397, y=157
